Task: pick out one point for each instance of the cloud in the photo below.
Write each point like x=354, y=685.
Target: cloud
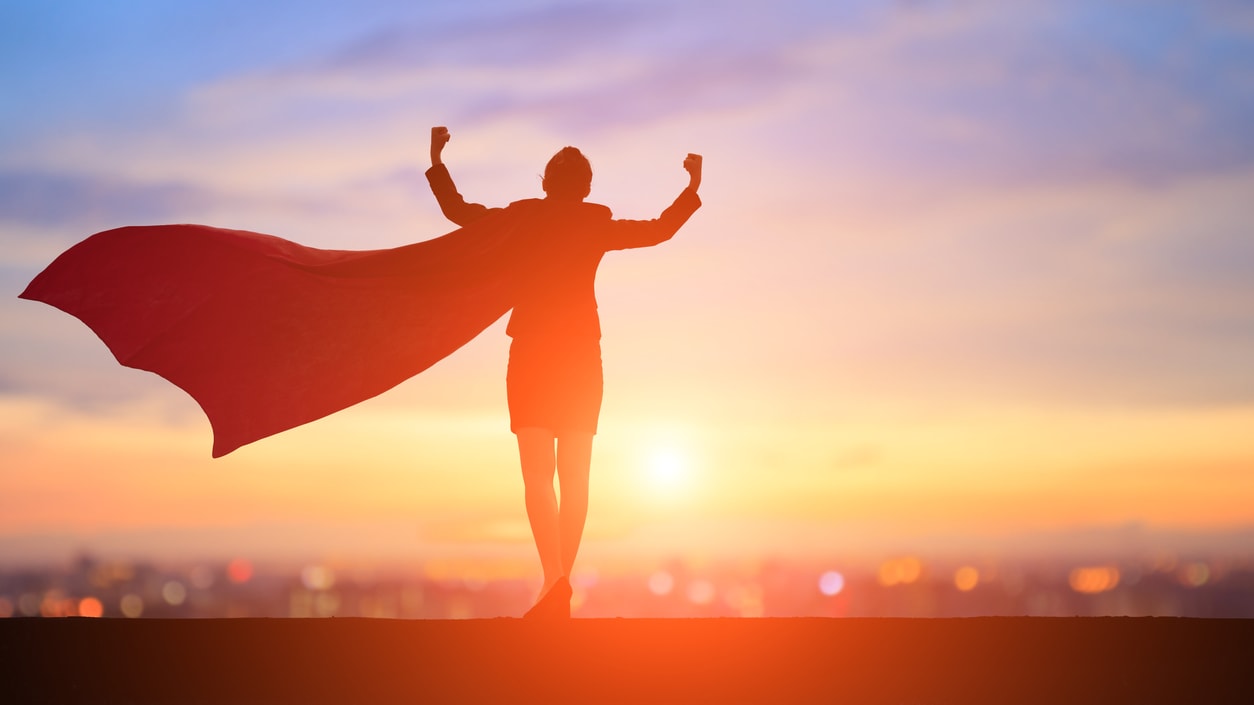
x=1034, y=91
x=944, y=92
x=44, y=211
x=535, y=35
x=49, y=198
x=581, y=68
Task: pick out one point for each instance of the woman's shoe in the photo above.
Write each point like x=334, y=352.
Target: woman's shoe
x=555, y=604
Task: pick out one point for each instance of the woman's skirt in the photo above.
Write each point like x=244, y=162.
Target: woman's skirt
x=554, y=386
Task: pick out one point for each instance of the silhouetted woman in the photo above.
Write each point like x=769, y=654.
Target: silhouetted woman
x=554, y=380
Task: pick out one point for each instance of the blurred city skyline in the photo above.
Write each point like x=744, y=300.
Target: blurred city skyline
x=1164, y=585
x=966, y=275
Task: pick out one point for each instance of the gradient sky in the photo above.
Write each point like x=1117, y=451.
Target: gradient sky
x=964, y=270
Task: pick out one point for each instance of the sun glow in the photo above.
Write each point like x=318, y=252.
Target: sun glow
x=668, y=472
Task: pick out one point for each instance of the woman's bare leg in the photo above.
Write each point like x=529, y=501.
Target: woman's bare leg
x=574, y=458
x=536, y=455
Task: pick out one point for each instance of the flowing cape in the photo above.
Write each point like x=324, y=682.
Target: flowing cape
x=266, y=334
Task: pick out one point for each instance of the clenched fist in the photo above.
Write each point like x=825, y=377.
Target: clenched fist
x=439, y=137
x=692, y=163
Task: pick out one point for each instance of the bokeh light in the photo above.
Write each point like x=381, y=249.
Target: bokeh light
x=661, y=583
x=90, y=607
x=317, y=577
x=900, y=571
x=173, y=592
x=1094, y=579
x=831, y=583
x=132, y=605
x=239, y=571
x=700, y=592
x=966, y=578
x=201, y=577
x=56, y=604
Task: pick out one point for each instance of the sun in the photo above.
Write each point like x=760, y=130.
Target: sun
x=668, y=471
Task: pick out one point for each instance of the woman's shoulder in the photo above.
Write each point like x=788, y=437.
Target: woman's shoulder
x=599, y=210
x=547, y=205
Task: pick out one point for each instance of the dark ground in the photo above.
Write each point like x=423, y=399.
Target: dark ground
x=900, y=661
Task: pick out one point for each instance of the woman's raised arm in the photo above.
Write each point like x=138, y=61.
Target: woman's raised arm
x=454, y=207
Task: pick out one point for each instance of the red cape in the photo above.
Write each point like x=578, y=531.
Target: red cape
x=266, y=334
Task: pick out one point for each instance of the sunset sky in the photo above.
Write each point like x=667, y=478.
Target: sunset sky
x=965, y=271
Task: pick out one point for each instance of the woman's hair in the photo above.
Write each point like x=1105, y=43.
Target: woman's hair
x=568, y=175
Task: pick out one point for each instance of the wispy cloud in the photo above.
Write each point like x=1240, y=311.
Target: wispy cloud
x=54, y=199
x=1040, y=91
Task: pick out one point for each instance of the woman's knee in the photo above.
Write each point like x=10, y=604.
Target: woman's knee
x=577, y=446
x=536, y=453
x=574, y=456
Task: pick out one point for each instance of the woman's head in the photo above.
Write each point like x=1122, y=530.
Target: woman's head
x=568, y=175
